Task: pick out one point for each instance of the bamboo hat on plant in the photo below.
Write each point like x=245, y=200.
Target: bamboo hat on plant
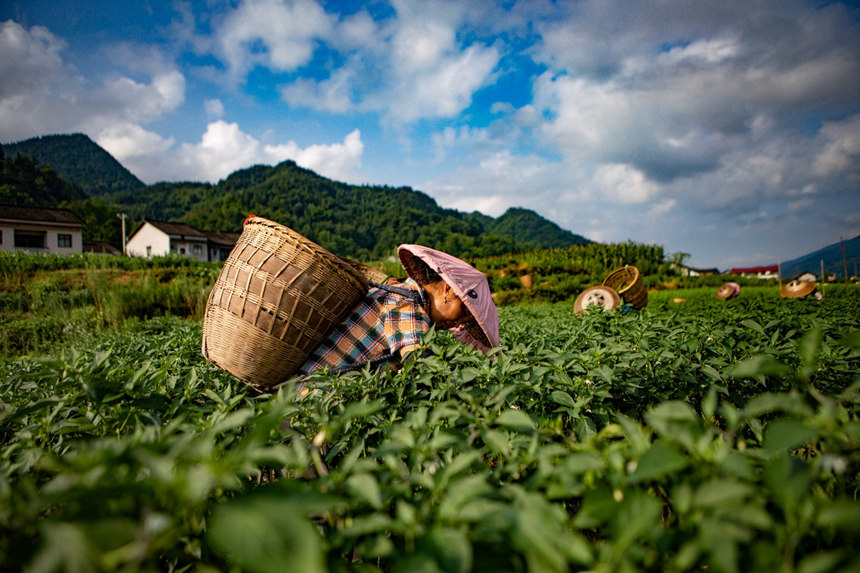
x=797, y=289
x=481, y=329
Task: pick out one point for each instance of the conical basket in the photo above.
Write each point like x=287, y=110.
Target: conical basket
x=277, y=297
x=628, y=284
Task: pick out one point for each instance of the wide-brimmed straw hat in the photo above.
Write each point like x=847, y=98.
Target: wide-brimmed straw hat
x=797, y=289
x=604, y=297
x=470, y=285
x=728, y=290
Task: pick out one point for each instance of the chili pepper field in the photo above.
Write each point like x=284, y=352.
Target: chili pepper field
x=707, y=435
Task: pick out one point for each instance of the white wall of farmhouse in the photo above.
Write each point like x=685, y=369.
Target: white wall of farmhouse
x=40, y=238
x=148, y=241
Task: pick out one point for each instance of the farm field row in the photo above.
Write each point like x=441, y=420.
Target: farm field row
x=695, y=435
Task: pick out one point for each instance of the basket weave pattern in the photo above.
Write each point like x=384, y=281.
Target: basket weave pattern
x=629, y=285
x=277, y=297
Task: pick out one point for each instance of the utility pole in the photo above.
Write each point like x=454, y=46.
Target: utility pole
x=122, y=216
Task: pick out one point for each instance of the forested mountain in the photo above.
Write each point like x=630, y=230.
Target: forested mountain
x=836, y=259
x=529, y=228
x=24, y=182
x=360, y=222
x=79, y=160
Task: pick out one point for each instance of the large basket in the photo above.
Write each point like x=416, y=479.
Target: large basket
x=627, y=283
x=278, y=296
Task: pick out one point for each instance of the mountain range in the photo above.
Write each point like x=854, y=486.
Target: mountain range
x=358, y=221
x=836, y=258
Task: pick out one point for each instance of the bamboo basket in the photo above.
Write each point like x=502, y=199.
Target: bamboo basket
x=277, y=297
x=628, y=284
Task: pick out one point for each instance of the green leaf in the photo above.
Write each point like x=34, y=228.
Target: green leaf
x=638, y=516
x=717, y=492
x=769, y=403
x=789, y=479
x=263, y=534
x=658, y=461
x=809, y=345
x=843, y=514
x=516, y=420
x=786, y=434
x=496, y=441
x=753, y=325
x=365, y=487
x=563, y=398
x=675, y=421
x=762, y=365
x=824, y=562
x=450, y=548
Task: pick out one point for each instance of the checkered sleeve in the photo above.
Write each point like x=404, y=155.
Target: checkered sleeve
x=405, y=323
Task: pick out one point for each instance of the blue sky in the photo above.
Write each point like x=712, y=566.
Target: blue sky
x=727, y=130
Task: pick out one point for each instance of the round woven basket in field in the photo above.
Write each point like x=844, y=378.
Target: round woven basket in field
x=277, y=297
x=628, y=284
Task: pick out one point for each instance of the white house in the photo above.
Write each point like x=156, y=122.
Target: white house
x=155, y=238
x=685, y=271
x=40, y=230
x=763, y=272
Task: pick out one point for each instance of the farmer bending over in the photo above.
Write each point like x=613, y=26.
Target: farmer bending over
x=390, y=322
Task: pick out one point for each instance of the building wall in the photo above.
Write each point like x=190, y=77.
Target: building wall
x=49, y=237
x=148, y=242
x=192, y=249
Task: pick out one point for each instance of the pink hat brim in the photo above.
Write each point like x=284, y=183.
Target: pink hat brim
x=469, y=284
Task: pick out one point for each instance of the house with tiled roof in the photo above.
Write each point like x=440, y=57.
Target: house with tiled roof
x=158, y=238
x=40, y=230
x=763, y=272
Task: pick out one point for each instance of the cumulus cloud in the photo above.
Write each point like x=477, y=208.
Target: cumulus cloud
x=407, y=67
x=711, y=122
x=129, y=143
x=41, y=94
x=224, y=148
x=278, y=34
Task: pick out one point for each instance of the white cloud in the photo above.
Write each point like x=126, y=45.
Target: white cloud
x=410, y=66
x=840, y=148
x=31, y=58
x=224, y=148
x=624, y=184
x=336, y=161
x=214, y=108
x=141, y=101
x=278, y=34
x=41, y=94
x=129, y=143
x=331, y=95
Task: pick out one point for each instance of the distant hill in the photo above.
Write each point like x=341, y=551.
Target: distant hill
x=78, y=160
x=26, y=183
x=362, y=222
x=832, y=257
x=527, y=227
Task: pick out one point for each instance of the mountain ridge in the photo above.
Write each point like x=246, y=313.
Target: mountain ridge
x=79, y=160
x=357, y=221
x=832, y=258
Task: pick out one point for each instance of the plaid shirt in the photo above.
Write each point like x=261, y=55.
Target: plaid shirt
x=382, y=322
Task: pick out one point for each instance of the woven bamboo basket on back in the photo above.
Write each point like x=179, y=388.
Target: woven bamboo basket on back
x=277, y=297
x=628, y=284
